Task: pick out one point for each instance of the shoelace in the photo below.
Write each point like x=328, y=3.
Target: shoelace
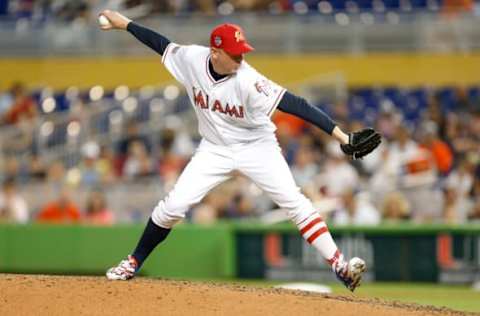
x=125, y=266
x=341, y=268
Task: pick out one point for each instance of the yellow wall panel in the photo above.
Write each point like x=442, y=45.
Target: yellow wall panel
x=372, y=69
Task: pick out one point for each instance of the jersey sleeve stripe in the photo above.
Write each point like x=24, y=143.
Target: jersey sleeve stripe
x=166, y=52
x=277, y=101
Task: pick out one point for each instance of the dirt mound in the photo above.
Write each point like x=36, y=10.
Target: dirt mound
x=75, y=295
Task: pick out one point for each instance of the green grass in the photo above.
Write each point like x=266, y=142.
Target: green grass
x=456, y=297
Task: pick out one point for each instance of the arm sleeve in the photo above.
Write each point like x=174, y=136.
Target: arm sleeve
x=299, y=107
x=148, y=37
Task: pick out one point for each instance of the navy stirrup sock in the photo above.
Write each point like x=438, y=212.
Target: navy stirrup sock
x=152, y=236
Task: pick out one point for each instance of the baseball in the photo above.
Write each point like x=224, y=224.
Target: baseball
x=103, y=21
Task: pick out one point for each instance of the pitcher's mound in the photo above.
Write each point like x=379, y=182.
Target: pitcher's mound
x=74, y=295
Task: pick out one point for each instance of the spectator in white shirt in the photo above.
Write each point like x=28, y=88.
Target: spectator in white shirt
x=13, y=207
x=338, y=174
x=356, y=209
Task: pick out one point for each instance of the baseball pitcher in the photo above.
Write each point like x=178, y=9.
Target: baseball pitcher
x=234, y=104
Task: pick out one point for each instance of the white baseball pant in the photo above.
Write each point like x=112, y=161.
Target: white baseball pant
x=261, y=161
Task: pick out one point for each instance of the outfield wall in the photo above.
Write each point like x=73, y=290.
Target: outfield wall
x=191, y=251
x=246, y=250
x=358, y=70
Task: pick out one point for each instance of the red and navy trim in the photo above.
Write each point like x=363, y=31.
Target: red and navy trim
x=209, y=75
x=166, y=52
x=277, y=101
x=335, y=257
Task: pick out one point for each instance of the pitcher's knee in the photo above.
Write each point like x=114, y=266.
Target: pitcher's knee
x=167, y=218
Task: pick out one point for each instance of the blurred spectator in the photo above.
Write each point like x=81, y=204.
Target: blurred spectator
x=96, y=211
x=23, y=106
x=356, y=209
x=457, y=190
x=408, y=167
x=304, y=168
x=337, y=175
x=6, y=100
x=95, y=168
x=474, y=130
x=177, y=136
x=374, y=165
x=340, y=111
x=287, y=141
x=105, y=165
x=451, y=8
x=73, y=10
x=11, y=167
x=36, y=169
x=138, y=163
x=434, y=114
x=204, y=6
x=439, y=150
x=13, y=207
x=19, y=138
x=296, y=126
x=395, y=207
x=24, y=8
x=401, y=175
x=170, y=164
x=407, y=155
x=132, y=134
x=214, y=204
x=474, y=214
x=240, y=206
x=476, y=184
x=462, y=133
x=463, y=103
x=205, y=212
x=387, y=122
x=318, y=140
x=90, y=175
x=61, y=210
x=450, y=213
x=56, y=173
x=228, y=200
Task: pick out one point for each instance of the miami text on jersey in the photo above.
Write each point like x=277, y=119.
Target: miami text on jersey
x=217, y=106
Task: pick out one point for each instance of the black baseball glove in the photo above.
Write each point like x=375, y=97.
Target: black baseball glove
x=361, y=143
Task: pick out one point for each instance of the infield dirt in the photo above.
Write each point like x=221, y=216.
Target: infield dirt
x=78, y=295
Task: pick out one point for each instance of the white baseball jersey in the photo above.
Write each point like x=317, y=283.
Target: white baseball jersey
x=235, y=109
x=234, y=121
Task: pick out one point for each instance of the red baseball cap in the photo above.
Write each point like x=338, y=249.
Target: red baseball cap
x=230, y=38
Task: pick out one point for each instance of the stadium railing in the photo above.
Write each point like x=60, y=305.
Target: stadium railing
x=292, y=33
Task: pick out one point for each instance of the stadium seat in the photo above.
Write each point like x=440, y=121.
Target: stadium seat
x=419, y=4
x=143, y=111
x=446, y=97
x=338, y=5
x=62, y=103
x=396, y=96
x=365, y=4
x=474, y=94
x=392, y=4
x=58, y=137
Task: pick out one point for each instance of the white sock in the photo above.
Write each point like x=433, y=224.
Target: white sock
x=315, y=231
